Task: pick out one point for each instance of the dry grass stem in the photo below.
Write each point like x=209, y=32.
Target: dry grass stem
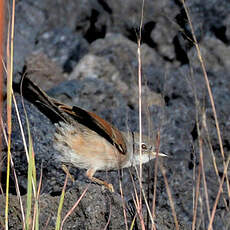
x=74, y=207
x=170, y=197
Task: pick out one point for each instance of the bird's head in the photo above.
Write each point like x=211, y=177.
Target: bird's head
x=147, y=147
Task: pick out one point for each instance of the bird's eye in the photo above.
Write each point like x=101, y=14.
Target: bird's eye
x=143, y=146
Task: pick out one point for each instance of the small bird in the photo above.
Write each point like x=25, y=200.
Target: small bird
x=84, y=139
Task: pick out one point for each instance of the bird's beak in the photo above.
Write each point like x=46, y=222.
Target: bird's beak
x=160, y=154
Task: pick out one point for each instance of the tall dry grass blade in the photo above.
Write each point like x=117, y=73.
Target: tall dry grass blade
x=9, y=130
x=2, y=24
x=10, y=52
x=140, y=94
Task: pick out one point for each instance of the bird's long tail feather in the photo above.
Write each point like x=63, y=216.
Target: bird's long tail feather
x=39, y=98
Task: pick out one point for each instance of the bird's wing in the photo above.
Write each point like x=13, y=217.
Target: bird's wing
x=97, y=124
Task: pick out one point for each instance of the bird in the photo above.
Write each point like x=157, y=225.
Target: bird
x=84, y=139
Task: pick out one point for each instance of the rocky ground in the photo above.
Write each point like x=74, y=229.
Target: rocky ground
x=84, y=53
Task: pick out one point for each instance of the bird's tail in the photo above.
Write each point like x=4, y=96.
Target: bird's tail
x=31, y=92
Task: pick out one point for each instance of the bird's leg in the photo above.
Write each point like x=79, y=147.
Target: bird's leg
x=90, y=172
